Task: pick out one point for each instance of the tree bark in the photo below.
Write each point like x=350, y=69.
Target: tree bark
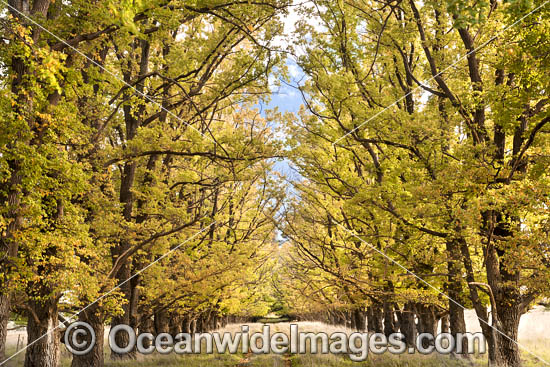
x=4, y=318
x=132, y=120
x=175, y=325
x=408, y=324
x=186, y=324
x=95, y=358
x=147, y=326
x=360, y=320
x=8, y=251
x=374, y=319
x=389, y=322
x=427, y=322
x=445, y=324
x=507, y=348
x=162, y=322
x=457, y=323
x=351, y=320
x=507, y=311
x=43, y=341
x=121, y=338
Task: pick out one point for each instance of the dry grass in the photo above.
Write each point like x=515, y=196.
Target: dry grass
x=532, y=337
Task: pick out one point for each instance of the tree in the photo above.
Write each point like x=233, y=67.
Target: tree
x=139, y=156
x=401, y=140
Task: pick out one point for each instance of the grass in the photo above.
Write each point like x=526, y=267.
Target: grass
x=305, y=360
x=200, y=360
x=537, y=344
x=271, y=360
x=311, y=360
x=540, y=347
x=300, y=360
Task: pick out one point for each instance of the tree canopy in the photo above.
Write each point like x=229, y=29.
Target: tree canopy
x=138, y=178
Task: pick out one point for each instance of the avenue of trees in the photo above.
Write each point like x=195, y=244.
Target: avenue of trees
x=424, y=148
x=128, y=133
x=131, y=139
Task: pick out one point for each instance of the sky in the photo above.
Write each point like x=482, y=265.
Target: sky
x=287, y=98
x=284, y=95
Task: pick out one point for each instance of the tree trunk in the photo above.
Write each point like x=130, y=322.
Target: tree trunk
x=507, y=349
x=12, y=189
x=360, y=320
x=426, y=321
x=199, y=324
x=43, y=340
x=4, y=318
x=215, y=322
x=457, y=323
x=408, y=324
x=186, y=324
x=374, y=319
x=129, y=317
x=175, y=325
x=389, y=324
x=127, y=199
x=508, y=310
x=351, y=320
x=445, y=324
x=9, y=248
x=207, y=322
x=481, y=311
x=95, y=358
x=225, y=320
x=162, y=322
x=121, y=338
x=147, y=326
x=340, y=319
x=509, y=303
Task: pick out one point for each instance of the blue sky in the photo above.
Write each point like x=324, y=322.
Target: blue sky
x=287, y=98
